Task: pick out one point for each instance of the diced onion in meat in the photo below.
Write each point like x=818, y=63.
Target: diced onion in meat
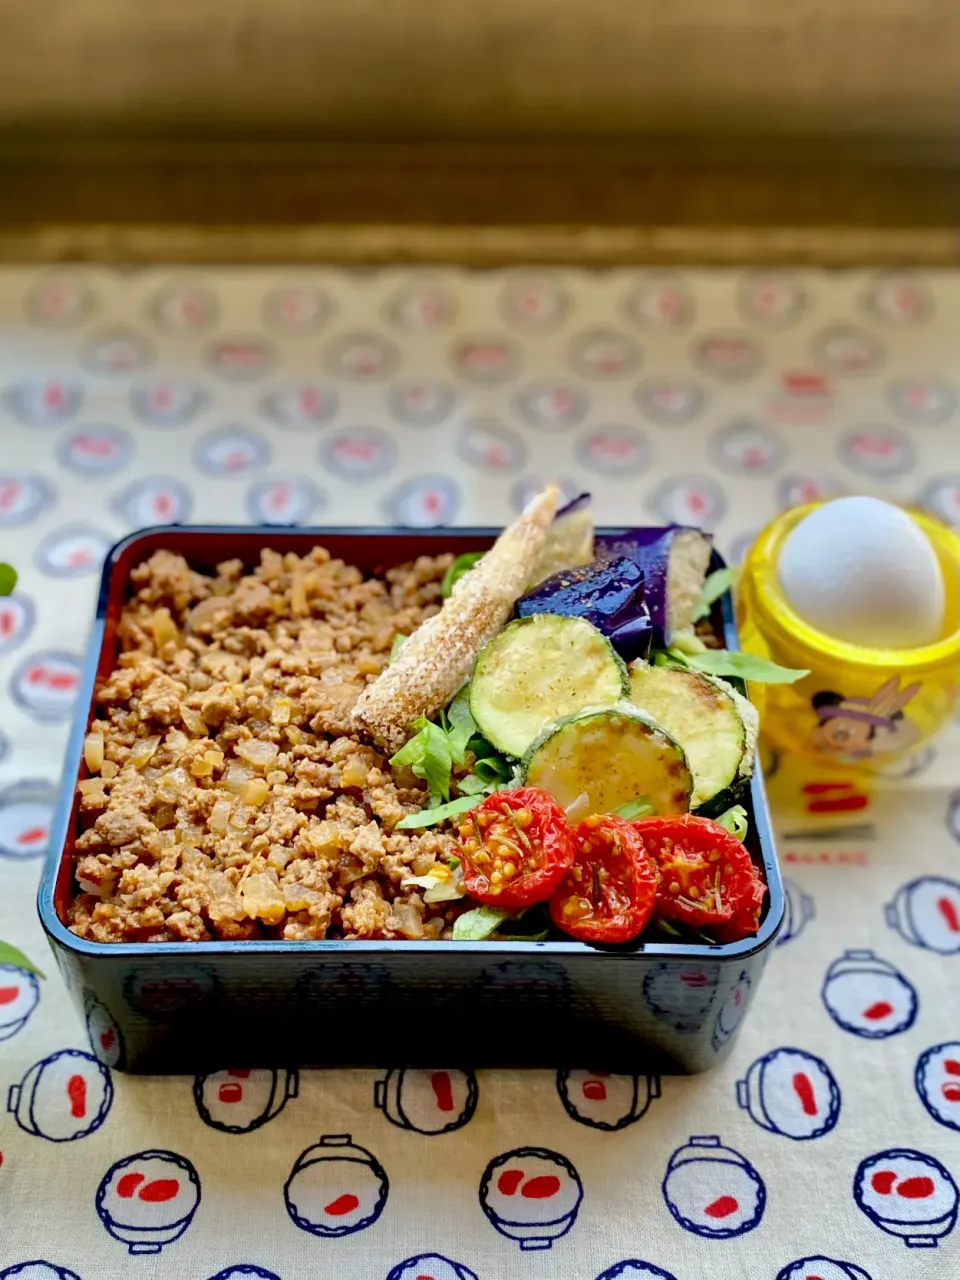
x=220, y=814
x=254, y=792
x=164, y=628
x=259, y=754
x=236, y=778
x=262, y=899
x=204, y=766
x=193, y=720
x=406, y=919
x=144, y=751
x=93, y=752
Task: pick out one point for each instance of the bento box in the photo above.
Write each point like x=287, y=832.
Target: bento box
x=196, y=1006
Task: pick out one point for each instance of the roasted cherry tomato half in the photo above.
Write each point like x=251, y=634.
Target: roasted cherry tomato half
x=515, y=848
x=707, y=879
x=608, y=894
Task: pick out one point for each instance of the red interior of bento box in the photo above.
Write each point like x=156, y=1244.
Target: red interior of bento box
x=372, y=551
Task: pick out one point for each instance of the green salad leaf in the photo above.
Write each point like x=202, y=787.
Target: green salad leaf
x=735, y=821
x=475, y=925
x=398, y=642
x=428, y=755
x=463, y=564
x=439, y=813
x=462, y=726
x=8, y=579
x=436, y=747
x=9, y=954
x=744, y=666
x=716, y=584
x=640, y=807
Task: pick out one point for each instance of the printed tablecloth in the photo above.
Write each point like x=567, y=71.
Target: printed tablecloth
x=132, y=397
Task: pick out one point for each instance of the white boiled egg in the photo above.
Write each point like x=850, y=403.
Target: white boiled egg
x=862, y=571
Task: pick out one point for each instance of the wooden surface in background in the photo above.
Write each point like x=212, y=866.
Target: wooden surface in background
x=479, y=205
x=565, y=130
x=879, y=71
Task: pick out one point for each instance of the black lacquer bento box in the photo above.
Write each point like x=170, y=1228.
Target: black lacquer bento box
x=195, y=1006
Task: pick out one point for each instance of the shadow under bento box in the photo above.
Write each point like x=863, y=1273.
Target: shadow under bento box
x=198, y=1006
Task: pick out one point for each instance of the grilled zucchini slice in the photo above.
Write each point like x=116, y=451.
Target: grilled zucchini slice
x=599, y=759
x=716, y=726
x=538, y=669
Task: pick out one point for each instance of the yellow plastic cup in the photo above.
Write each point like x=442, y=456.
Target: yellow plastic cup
x=859, y=706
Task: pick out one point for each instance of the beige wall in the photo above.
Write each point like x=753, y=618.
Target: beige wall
x=764, y=69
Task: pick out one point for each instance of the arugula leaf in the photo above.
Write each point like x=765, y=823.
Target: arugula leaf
x=716, y=584
x=8, y=579
x=734, y=820
x=430, y=817
x=10, y=954
x=524, y=937
x=398, y=643
x=463, y=564
x=745, y=666
x=475, y=925
x=462, y=726
x=640, y=807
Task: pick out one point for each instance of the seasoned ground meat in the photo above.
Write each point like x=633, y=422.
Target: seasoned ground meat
x=227, y=796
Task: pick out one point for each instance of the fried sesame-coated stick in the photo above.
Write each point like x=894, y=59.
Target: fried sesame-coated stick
x=436, y=662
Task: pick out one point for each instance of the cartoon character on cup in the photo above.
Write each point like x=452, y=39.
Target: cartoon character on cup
x=240, y=1100
x=148, y=1200
x=531, y=1195
x=926, y=913
x=792, y=1093
x=820, y=1268
x=605, y=1101
x=62, y=1098
x=19, y=994
x=713, y=1190
x=335, y=1188
x=429, y=1102
x=431, y=1266
x=868, y=996
x=851, y=729
x=937, y=1081
x=908, y=1194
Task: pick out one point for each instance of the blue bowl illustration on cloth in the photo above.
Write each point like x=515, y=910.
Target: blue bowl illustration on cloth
x=868, y=996
x=712, y=1190
x=335, y=1188
x=908, y=1194
x=531, y=1195
x=63, y=1097
x=791, y=1092
x=820, y=1268
x=937, y=1080
x=19, y=995
x=427, y=1101
x=926, y=913
x=240, y=1100
x=605, y=1101
x=148, y=1200
x=431, y=1266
